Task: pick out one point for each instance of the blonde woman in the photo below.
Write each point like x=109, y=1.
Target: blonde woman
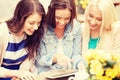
x=101, y=31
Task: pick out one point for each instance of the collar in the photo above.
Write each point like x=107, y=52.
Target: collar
x=67, y=29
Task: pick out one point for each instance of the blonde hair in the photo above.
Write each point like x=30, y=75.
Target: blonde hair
x=108, y=18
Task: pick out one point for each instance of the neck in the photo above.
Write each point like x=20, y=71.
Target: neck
x=94, y=33
x=18, y=34
x=59, y=32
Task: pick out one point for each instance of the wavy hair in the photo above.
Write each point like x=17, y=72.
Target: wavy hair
x=108, y=18
x=23, y=9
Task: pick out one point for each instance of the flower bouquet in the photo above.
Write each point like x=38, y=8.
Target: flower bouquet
x=103, y=65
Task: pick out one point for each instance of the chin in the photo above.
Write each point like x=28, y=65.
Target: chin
x=92, y=28
x=29, y=34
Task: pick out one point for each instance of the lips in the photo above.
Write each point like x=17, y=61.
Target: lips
x=92, y=26
x=31, y=31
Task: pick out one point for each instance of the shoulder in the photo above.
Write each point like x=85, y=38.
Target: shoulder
x=3, y=28
x=3, y=31
x=3, y=25
x=76, y=22
x=116, y=26
x=3, y=37
x=76, y=26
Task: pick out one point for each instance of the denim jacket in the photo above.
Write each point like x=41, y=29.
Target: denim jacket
x=71, y=47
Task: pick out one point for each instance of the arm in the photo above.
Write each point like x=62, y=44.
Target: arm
x=3, y=45
x=48, y=54
x=22, y=74
x=28, y=64
x=43, y=57
x=77, y=55
x=116, y=35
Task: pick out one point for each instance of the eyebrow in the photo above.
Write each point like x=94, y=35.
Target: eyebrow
x=62, y=17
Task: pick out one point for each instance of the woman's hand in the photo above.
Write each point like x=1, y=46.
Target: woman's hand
x=23, y=75
x=63, y=60
x=81, y=66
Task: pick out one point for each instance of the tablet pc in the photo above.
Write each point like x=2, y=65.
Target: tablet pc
x=60, y=73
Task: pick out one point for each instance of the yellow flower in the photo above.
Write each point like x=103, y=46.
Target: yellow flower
x=84, y=3
x=111, y=72
x=101, y=56
x=103, y=65
x=90, y=54
x=96, y=68
x=104, y=78
x=118, y=69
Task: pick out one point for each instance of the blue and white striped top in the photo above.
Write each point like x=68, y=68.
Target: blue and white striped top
x=15, y=52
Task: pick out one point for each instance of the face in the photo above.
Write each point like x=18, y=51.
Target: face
x=32, y=23
x=94, y=18
x=62, y=17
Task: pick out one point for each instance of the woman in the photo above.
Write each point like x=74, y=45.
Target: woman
x=19, y=40
x=60, y=48
x=101, y=31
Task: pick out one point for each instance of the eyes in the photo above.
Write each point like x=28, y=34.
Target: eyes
x=34, y=23
x=60, y=18
x=95, y=17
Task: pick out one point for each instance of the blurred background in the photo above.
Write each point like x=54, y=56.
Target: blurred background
x=7, y=8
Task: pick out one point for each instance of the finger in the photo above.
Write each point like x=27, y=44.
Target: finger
x=67, y=61
x=81, y=67
x=70, y=60
x=13, y=78
x=61, y=62
x=69, y=65
x=30, y=77
x=33, y=77
x=25, y=78
x=22, y=78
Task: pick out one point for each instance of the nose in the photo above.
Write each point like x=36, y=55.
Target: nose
x=35, y=27
x=93, y=22
x=62, y=21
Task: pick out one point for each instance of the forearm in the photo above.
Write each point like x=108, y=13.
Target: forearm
x=7, y=73
x=27, y=64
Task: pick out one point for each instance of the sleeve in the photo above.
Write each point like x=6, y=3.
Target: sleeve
x=27, y=64
x=3, y=45
x=77, y=53
x=3, y=72
x=44, y=58
x=116, y=32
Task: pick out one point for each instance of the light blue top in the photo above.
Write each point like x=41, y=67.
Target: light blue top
x=71, y=46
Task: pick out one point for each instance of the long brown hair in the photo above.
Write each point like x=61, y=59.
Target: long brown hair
x=23, y=9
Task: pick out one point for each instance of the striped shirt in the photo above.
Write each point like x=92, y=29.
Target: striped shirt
x=15, y=52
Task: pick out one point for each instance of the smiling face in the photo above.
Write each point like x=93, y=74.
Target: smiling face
x=62, y=17
x=32, y=23
x=94, y=18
